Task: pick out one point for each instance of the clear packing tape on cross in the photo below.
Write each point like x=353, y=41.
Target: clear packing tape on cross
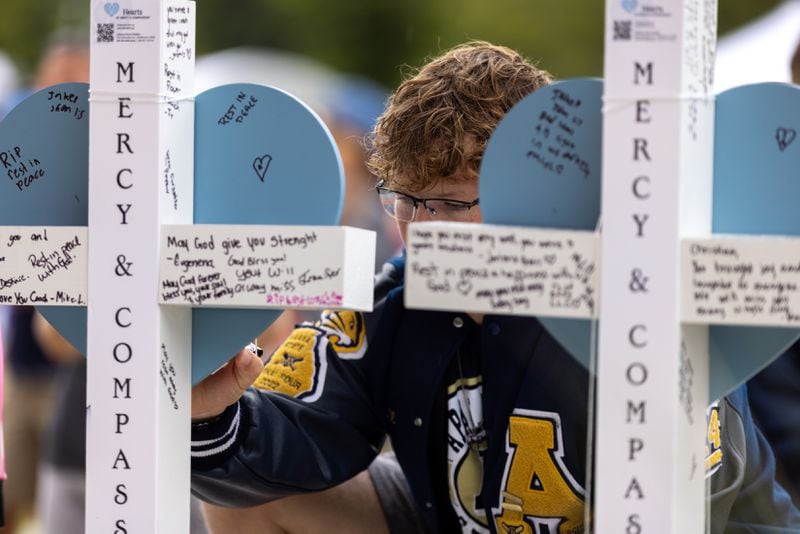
x=729, y=280
x=242, y=266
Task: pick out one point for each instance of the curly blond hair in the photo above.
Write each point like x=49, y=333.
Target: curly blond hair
x=436, y=125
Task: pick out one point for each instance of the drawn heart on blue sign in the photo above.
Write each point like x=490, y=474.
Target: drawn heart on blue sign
x=306, y=186
x=755, y=193
x=261, y=166
x=112, y=8
x=785, y=137
x=534, y=173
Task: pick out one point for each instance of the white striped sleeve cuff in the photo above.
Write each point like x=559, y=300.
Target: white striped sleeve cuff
x=215, y=441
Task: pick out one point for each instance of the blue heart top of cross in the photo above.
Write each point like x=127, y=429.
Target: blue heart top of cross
x=299, y=180
x=296, y=177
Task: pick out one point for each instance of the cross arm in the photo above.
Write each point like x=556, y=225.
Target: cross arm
x=43, y=265
x=243, y=266
x=248, y=266
x=502, y=269
x=741, y=280
x=725, y=279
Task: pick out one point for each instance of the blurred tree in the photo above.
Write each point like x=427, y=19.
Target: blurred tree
x=25, y=26
x=566, y=37
x=375, y=37
x=371, y=37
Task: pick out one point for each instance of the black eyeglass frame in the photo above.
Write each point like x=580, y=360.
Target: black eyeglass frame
x=379, y=188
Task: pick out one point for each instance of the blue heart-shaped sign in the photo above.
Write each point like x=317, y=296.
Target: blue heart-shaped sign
x=542, y=169
x=755, y=191
x=48, y=132
x=756, y=164
x=111, y=8
x=261, y=157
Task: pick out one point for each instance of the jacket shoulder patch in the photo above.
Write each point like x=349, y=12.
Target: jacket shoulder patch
x=346, y=332
x=713, y=440
x=295, y=367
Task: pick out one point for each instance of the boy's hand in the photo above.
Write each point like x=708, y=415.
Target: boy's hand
x=221, y=389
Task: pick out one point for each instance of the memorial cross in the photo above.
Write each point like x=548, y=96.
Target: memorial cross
x=165, y=295
x=684, y=316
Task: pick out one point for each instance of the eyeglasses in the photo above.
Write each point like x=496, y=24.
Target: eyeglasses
x=403, y=207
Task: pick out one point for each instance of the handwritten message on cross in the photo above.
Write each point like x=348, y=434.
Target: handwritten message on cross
x=677, y=303
x=160, y=233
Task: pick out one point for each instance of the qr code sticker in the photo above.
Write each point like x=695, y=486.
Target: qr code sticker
x=622, y=30
x=105, y=33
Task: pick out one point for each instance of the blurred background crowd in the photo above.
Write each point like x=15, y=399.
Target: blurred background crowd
x=341, y=58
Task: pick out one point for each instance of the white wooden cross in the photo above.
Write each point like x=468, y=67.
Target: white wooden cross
x=141, y=266
x=663, y=278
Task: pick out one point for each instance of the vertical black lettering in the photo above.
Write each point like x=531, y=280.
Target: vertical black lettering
x=123, y=106
x=127, y=348
x=647, y=71
x=124, y=212
x=122, y=420
x=637, y=341
x=634, y=527
x=634, y=486
x=121, y=497
x=640, y=219
x=636, y=373
x=636, y=192
x=635, y=445
x=120, y=387
x=128, y=186
x=121, y=458
x=641, y=111
x=123, y=70
x=124, y=139
x=121, y=527
x=119, y=321
x=640, y=146
x=634, y=410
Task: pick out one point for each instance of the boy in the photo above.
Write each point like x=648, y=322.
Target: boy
x=487, y=414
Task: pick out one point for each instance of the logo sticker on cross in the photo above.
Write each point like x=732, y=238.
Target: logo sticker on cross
x=160, y=233
x=684, y=288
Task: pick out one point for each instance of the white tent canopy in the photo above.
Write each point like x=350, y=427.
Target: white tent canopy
x=760, y=51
